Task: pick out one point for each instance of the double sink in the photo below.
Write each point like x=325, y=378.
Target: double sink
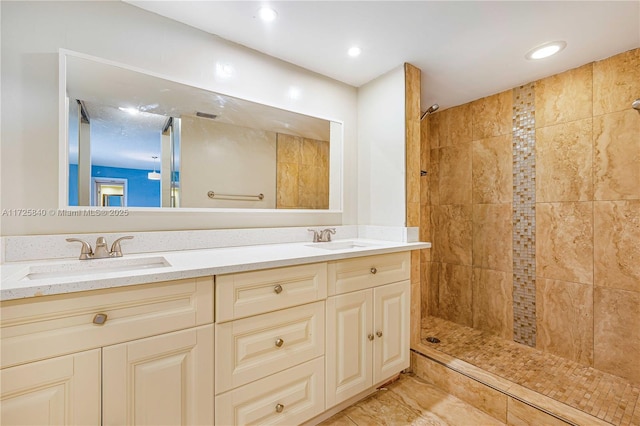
x=103, y=266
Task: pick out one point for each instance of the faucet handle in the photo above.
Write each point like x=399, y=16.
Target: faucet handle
x=316, y=234
x=327, y=233
x=116, y=250
x=85, y=252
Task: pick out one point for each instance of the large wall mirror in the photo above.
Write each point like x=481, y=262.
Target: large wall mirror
x=135, y=139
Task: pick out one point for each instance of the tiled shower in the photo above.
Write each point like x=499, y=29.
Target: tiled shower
x=532, y=202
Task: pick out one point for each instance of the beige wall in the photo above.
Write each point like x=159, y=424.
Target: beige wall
x=226, y=159
x=302, y=173
x=587, y=214
x=381, y=150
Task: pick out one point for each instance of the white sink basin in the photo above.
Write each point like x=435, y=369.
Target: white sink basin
x=339, y=245
x=93, y=267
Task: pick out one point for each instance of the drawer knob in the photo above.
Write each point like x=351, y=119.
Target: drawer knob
x=278, y=289
x=100, y=319
x=279, y=343
x=279, y=408
x=370, y=337
x=379, y=333
x=374, y=271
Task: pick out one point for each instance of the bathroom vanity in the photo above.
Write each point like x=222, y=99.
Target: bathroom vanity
x=277, y=338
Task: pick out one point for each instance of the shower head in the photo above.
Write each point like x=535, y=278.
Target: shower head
x=433, y=108
x=636, y=104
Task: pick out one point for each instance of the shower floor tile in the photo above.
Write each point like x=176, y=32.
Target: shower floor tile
x=603, y=395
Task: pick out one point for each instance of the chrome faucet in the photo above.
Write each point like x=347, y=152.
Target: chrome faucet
x=101, y=252
x=323, y=236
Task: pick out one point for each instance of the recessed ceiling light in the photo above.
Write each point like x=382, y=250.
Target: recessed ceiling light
x=267, y=14
x=354, y=51
x=294, y=93
x=224, y=70
x=545, y=50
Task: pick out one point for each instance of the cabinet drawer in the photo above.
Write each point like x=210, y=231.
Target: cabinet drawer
x=258, y=346
x=43, y=327
x=286, y=398
x=251, y=293
x=366, y=272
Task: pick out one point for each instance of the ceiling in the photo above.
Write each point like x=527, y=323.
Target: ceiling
x=465, y=49
x=128, y=110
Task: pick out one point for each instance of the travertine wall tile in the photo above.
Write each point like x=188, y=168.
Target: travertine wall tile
x=412, y=143
x=455, y=126
x=454, y=180
x=413, y=214
x=617, y=332
x=433, y=129
x=616, y=165
x=492, y=162
x=302, y=173
x=563, y=162
x=617, y=244
x=521, y=414
x=287, y=184
x=425, y=223
x=493, y=302
x=416, y=290
x=455, y=293
x=492, y=116
x=564, y=97
x=431, y=272
x=452, y=233
x=492, y=237
x=434, y=173
x=616, y=82
x=564, y=316
x=564, y=241
x=288, y=148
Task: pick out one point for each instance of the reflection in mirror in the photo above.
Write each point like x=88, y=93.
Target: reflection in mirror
x=137, y=140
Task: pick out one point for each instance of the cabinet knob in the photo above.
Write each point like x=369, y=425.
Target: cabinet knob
x=278, y=289
x=100, y=319
x=279, y=342
x=279, y=408
x=370, y=337
x=379, y=333
x=374, y=271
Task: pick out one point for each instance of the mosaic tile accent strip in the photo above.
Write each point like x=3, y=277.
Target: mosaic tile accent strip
x=524, y=216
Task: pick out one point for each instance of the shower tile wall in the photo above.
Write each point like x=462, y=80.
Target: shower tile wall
x=587, y=216
x=302, y=173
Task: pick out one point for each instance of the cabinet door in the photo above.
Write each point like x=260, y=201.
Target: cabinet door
x=349, y=349
x=57, y=391
x=162, y=380
x=391, y=327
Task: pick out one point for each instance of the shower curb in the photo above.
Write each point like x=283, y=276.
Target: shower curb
x=500, y=398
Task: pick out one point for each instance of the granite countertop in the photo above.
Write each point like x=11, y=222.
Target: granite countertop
x=33, y=278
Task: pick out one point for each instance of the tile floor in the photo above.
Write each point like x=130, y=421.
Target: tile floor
x=592, y=391
x=410, y=401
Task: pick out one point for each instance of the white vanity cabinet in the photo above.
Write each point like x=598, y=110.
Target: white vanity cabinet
x=129, y=355
x=270, y=334
x=368, y=316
